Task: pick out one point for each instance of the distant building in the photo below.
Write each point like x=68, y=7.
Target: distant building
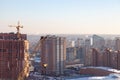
x=117, y=43
x=98, y=42
x=97, y=57
x=87, y=52
x=88, y=42
x=14, y=57
x=88, y=57
x=70, y=54
x=109, y=43
x=106, y=58
x=75, y=55
x=79, y=42
x=53, y=54
x=70, y=43
x=80, y=53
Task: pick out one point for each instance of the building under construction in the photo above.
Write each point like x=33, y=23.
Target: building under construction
x=14, y=57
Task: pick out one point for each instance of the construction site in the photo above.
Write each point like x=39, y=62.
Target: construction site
x=14, y=56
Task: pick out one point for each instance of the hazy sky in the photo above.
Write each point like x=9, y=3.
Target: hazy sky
x=61, y=16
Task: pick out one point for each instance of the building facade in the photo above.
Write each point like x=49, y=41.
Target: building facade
x=70, y=54
x=13, y=57
x=53, y=53
x=98, y=42
x=12, y=36
x=107, y=58
x=117, y=43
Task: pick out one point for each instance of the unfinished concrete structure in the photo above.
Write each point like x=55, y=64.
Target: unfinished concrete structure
x=14, y=57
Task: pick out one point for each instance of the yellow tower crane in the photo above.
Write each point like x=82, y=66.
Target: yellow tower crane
x=18, y=29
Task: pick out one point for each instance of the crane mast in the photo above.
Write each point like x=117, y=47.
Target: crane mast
x=18, y=26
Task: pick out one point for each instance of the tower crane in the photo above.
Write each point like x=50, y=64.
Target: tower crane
x=37, y=46
x=18, y=29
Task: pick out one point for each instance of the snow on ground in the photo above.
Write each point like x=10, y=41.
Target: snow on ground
x=112, y=76
x=105, y=68
x=88, y=78
x=109, y=77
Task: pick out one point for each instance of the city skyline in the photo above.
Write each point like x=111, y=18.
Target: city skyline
x=61, y=16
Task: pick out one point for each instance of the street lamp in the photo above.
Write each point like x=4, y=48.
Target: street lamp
x=45, y=66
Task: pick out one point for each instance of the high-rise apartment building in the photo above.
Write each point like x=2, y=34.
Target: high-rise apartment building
x=87, y=52
x=117, y=43
x=14, y=57
x=110, y=43
x=79, y=42
x=70, y=54
x=53, y=55
x=106, y=58
x=98, y=42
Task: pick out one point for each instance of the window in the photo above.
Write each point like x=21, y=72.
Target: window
x=3, y=50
